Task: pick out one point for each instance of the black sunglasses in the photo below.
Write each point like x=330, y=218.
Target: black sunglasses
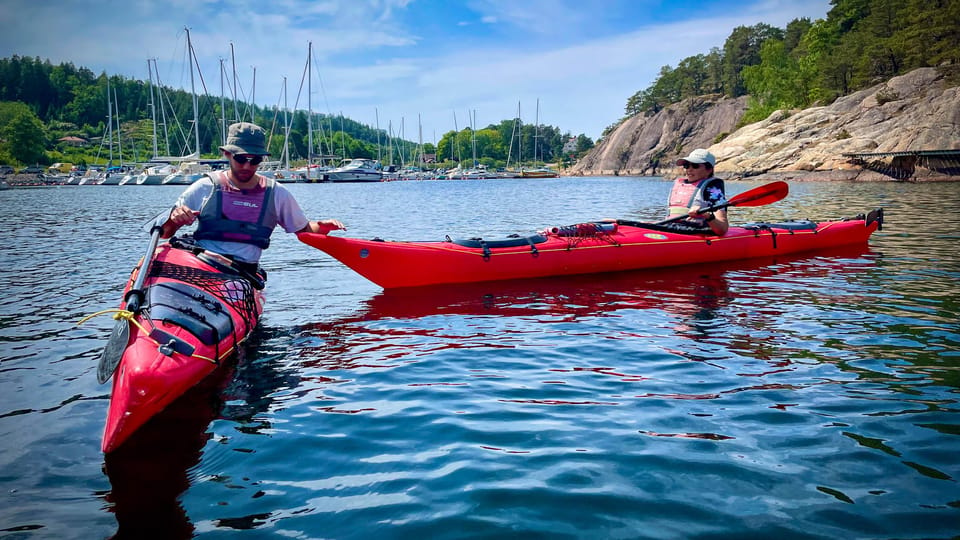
x=256, y=160
x=691, y=165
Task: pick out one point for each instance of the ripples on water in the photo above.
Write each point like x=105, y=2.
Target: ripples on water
x=801, y=397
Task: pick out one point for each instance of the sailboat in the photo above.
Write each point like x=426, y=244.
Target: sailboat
x=543, y=171
x=280, y=169
x=190, y=171
x=112, y=175
x=311, y=172
x=158, y=167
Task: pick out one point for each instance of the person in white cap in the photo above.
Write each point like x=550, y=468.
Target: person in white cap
x=699, y=189
x=238, y=209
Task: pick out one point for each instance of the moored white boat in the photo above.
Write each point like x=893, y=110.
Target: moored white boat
x=154, y=175
x=188, y=173
x=356, y=170
x=276, y=170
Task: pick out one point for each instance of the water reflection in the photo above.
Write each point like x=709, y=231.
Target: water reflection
x=690, y=298
x=150, y=472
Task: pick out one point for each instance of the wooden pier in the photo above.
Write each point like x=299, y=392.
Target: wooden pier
x=909, y=164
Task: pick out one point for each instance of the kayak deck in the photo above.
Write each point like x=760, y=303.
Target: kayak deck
x=581, y=249
x=195, y=316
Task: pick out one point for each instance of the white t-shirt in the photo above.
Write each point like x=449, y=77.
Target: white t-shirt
x=289, y=216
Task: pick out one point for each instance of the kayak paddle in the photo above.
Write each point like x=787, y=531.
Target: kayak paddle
x=758, y=196
x=120, y=335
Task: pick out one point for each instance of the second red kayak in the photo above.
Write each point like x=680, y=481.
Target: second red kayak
x=581, y=249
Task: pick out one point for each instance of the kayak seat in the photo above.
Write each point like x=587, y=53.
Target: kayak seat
x=511, y=241
x=193, y=309
x=676, y=227
x=514, y=240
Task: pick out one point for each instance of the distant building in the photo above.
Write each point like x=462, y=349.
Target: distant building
x=73, y=141
x=570, y=146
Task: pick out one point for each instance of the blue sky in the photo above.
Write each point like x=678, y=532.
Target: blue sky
x=389, y=62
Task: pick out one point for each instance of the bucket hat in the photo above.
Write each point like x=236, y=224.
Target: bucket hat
x=246, y=138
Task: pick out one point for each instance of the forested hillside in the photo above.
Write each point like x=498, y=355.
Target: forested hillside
x=857, y=45
x=41, y=103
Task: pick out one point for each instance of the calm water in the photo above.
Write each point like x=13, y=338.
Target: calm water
x=809, y=397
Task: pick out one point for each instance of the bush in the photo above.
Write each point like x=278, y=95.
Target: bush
x=886, y=95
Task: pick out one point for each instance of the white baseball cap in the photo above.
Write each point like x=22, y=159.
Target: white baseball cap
x=699, y=156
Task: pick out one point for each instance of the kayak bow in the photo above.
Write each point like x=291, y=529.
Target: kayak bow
x=195, y=313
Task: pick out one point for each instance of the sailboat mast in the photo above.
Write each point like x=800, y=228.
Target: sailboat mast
x=309, y=109
x=376, y=115
x=519, y=137
x=110, y=120
x=196, y=108
x=223, y=112
x=419, y=141
x=390, y=142
x=286, y=128
x=163, y=110
x=116, y=107
x=153, y=108
x=536, y=134
x=233, y=67
x=253, y=97
x=400, y=145
x=473, y=135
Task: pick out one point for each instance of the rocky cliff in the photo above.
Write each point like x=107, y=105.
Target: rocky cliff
x=919, y=111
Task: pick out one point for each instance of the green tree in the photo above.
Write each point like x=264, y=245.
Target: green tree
x=584, y=144
x=777, y=82
x=742, y=49
x=794, y=33
x=22, y=133
x=931, y=35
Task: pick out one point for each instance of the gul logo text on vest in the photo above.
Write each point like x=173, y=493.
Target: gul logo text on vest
x=246, y=203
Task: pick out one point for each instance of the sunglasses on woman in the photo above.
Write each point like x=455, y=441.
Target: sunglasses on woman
x=255, y=160
x=691, y=165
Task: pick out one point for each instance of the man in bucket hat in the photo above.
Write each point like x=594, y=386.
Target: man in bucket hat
x=698, y=189
x=238, y=209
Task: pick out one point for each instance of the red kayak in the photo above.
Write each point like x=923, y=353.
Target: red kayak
x=193, y=310
x=582, y=249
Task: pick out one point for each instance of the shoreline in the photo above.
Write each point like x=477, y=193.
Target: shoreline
x=839, y=175
x=843, y=175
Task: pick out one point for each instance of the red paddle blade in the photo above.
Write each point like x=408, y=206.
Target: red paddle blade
x=760, y=196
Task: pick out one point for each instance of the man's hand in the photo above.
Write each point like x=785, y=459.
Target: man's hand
x=179, y=216
x=324, y=226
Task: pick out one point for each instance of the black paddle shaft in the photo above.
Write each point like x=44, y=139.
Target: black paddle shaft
x=134, y=297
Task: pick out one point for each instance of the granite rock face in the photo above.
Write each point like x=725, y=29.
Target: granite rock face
x=916, y=111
